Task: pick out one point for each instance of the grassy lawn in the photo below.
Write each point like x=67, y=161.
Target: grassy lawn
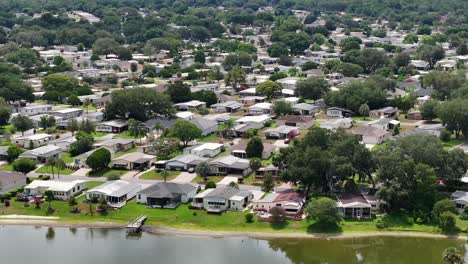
x=153, y=175
x=107, y=173
x=452, y=143
x=7, y=167
x=210, y=138
x=183, y=217
x=92, y=184
x=121, y=153
x=67, y=157
x=381, y=146
x=250, y=179
x=125, y=135
x=216, y=179
x=268, y=161
x=90, y=107
x=8, y=128
x=362, y=118
x=48, y=170
x=99, y=134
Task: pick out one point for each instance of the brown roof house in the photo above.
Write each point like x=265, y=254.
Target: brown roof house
x=356, y=205
x=300, y=121
x=371, y=135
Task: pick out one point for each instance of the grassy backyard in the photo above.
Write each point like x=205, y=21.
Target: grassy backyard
x=153, y=175
x=121, y=153
x=452, y=143
x=6, y=167
x=48, y=170
x=107, y=173
x=210, y=138
x=215, y=179
x=183, y=217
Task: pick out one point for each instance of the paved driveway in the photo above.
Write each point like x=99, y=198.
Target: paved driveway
x=228, y=179
x=184, y=177
x=81, y=172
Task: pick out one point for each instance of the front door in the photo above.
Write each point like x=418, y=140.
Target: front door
x=358, y=212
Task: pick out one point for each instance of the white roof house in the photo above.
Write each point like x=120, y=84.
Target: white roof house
x=33, y=141
x=42, y=154
x=185, y=115
x=205, y=150
x=253, y=119
x=116, y=193
x=190, y=105
x=61, y=189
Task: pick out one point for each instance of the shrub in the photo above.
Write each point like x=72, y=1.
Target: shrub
x=464, y=215
x=445, y=135
x=72, y=201
x=380, y=223
x=278, y=214
x=249, y=218
x=447, y=221
x=443, y=206
x=113, y=177
x=324, y=211
x=210, y=185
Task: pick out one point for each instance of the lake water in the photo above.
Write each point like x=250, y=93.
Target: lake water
x=43, y=245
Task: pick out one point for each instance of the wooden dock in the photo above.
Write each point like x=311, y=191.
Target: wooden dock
x=136, y=225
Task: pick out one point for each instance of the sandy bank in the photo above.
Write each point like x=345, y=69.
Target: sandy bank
x=161, y=230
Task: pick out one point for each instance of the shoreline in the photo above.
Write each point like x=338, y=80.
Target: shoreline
x=163, y=230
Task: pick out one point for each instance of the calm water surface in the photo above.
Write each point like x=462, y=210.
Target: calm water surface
x=42, y=245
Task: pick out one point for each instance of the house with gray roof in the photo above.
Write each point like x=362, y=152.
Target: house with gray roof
x=167, y=194
x=184, y=162
x=133, y=161
x=305, y=109
x=117, y=144
x=371, y=135
x=116, y=193
x=4, y=152
x=42, y=154
x=384, y=123
x=281, y=132
x=227, y=107
x=385, y=112
x=10, y=180
x=113, y=126
x=207, y=126
x=223, y=199
x=229, y=165
x=163, y=122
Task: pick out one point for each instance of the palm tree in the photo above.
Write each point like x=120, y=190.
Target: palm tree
x=159, y=128
x=60, y=164
x=52, y=162
x=203, y=170
x=86, y=103
x=452, y=255
x=255, y=164
x=49, y=198
x=228, y=126
x=136, y=129
x=165, y=174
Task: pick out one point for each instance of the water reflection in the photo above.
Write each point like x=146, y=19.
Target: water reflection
x=50, y=235
x=73, y=230
x=379, y=250
x=114, y=246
